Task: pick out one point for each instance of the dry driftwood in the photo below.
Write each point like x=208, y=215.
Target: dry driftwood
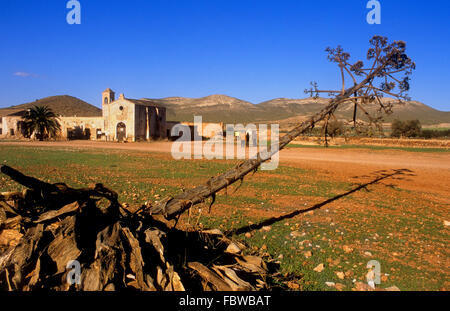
x=116, y=249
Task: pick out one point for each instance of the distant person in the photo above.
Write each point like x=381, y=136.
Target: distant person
x=242, y=136
x=254, y=139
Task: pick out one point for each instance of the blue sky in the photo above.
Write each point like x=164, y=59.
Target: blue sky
x=253, y=50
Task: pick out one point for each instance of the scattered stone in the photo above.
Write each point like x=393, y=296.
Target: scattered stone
x=307, y=254
x=264, y=247
x=319, y=268
x=347, y=249
x=266, y=228
x=446, y=223
x=293, y=285
x=368, y=254
x=340, y=275
x=330, y=284
x=248, y=235
x=339, y=286
x=362, y=287
x=348, y=273
x=295, y=234
x=392, y=289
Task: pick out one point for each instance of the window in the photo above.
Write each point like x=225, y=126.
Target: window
x=11, y=132
x=121, y=108
x=106, y=100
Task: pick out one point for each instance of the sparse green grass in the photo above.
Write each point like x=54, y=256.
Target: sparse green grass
x=401, y=229
x=436, y=128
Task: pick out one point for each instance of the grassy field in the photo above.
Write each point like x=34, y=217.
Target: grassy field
x=341, y=223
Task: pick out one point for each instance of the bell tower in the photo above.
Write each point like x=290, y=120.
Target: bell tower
x=107, y=96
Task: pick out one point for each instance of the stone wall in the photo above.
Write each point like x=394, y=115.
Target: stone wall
x=120, y=111
x=208, y=129
x=11, y=129
x=9, y=126
x=88, y=127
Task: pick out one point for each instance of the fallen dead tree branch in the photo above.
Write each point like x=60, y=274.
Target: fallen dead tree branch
x=387, y=58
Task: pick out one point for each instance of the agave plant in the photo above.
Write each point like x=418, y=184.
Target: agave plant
x=41, y=121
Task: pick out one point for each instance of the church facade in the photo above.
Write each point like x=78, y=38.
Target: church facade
x=132, y=119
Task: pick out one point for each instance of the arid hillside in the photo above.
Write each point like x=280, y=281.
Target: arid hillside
x=222, y=108
x=65, y=105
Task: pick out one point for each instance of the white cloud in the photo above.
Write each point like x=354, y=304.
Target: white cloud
x=24, y=74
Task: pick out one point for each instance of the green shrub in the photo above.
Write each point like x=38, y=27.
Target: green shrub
x=410, y=128
x=428, y=134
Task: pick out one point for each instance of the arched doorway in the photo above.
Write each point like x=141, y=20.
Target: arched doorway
x=121, y=131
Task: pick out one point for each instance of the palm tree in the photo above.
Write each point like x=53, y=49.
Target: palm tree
x=41, y=121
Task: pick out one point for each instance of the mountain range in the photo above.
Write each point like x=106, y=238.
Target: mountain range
x=223, y=108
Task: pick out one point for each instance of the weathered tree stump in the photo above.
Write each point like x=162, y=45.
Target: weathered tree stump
x=114, y=248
